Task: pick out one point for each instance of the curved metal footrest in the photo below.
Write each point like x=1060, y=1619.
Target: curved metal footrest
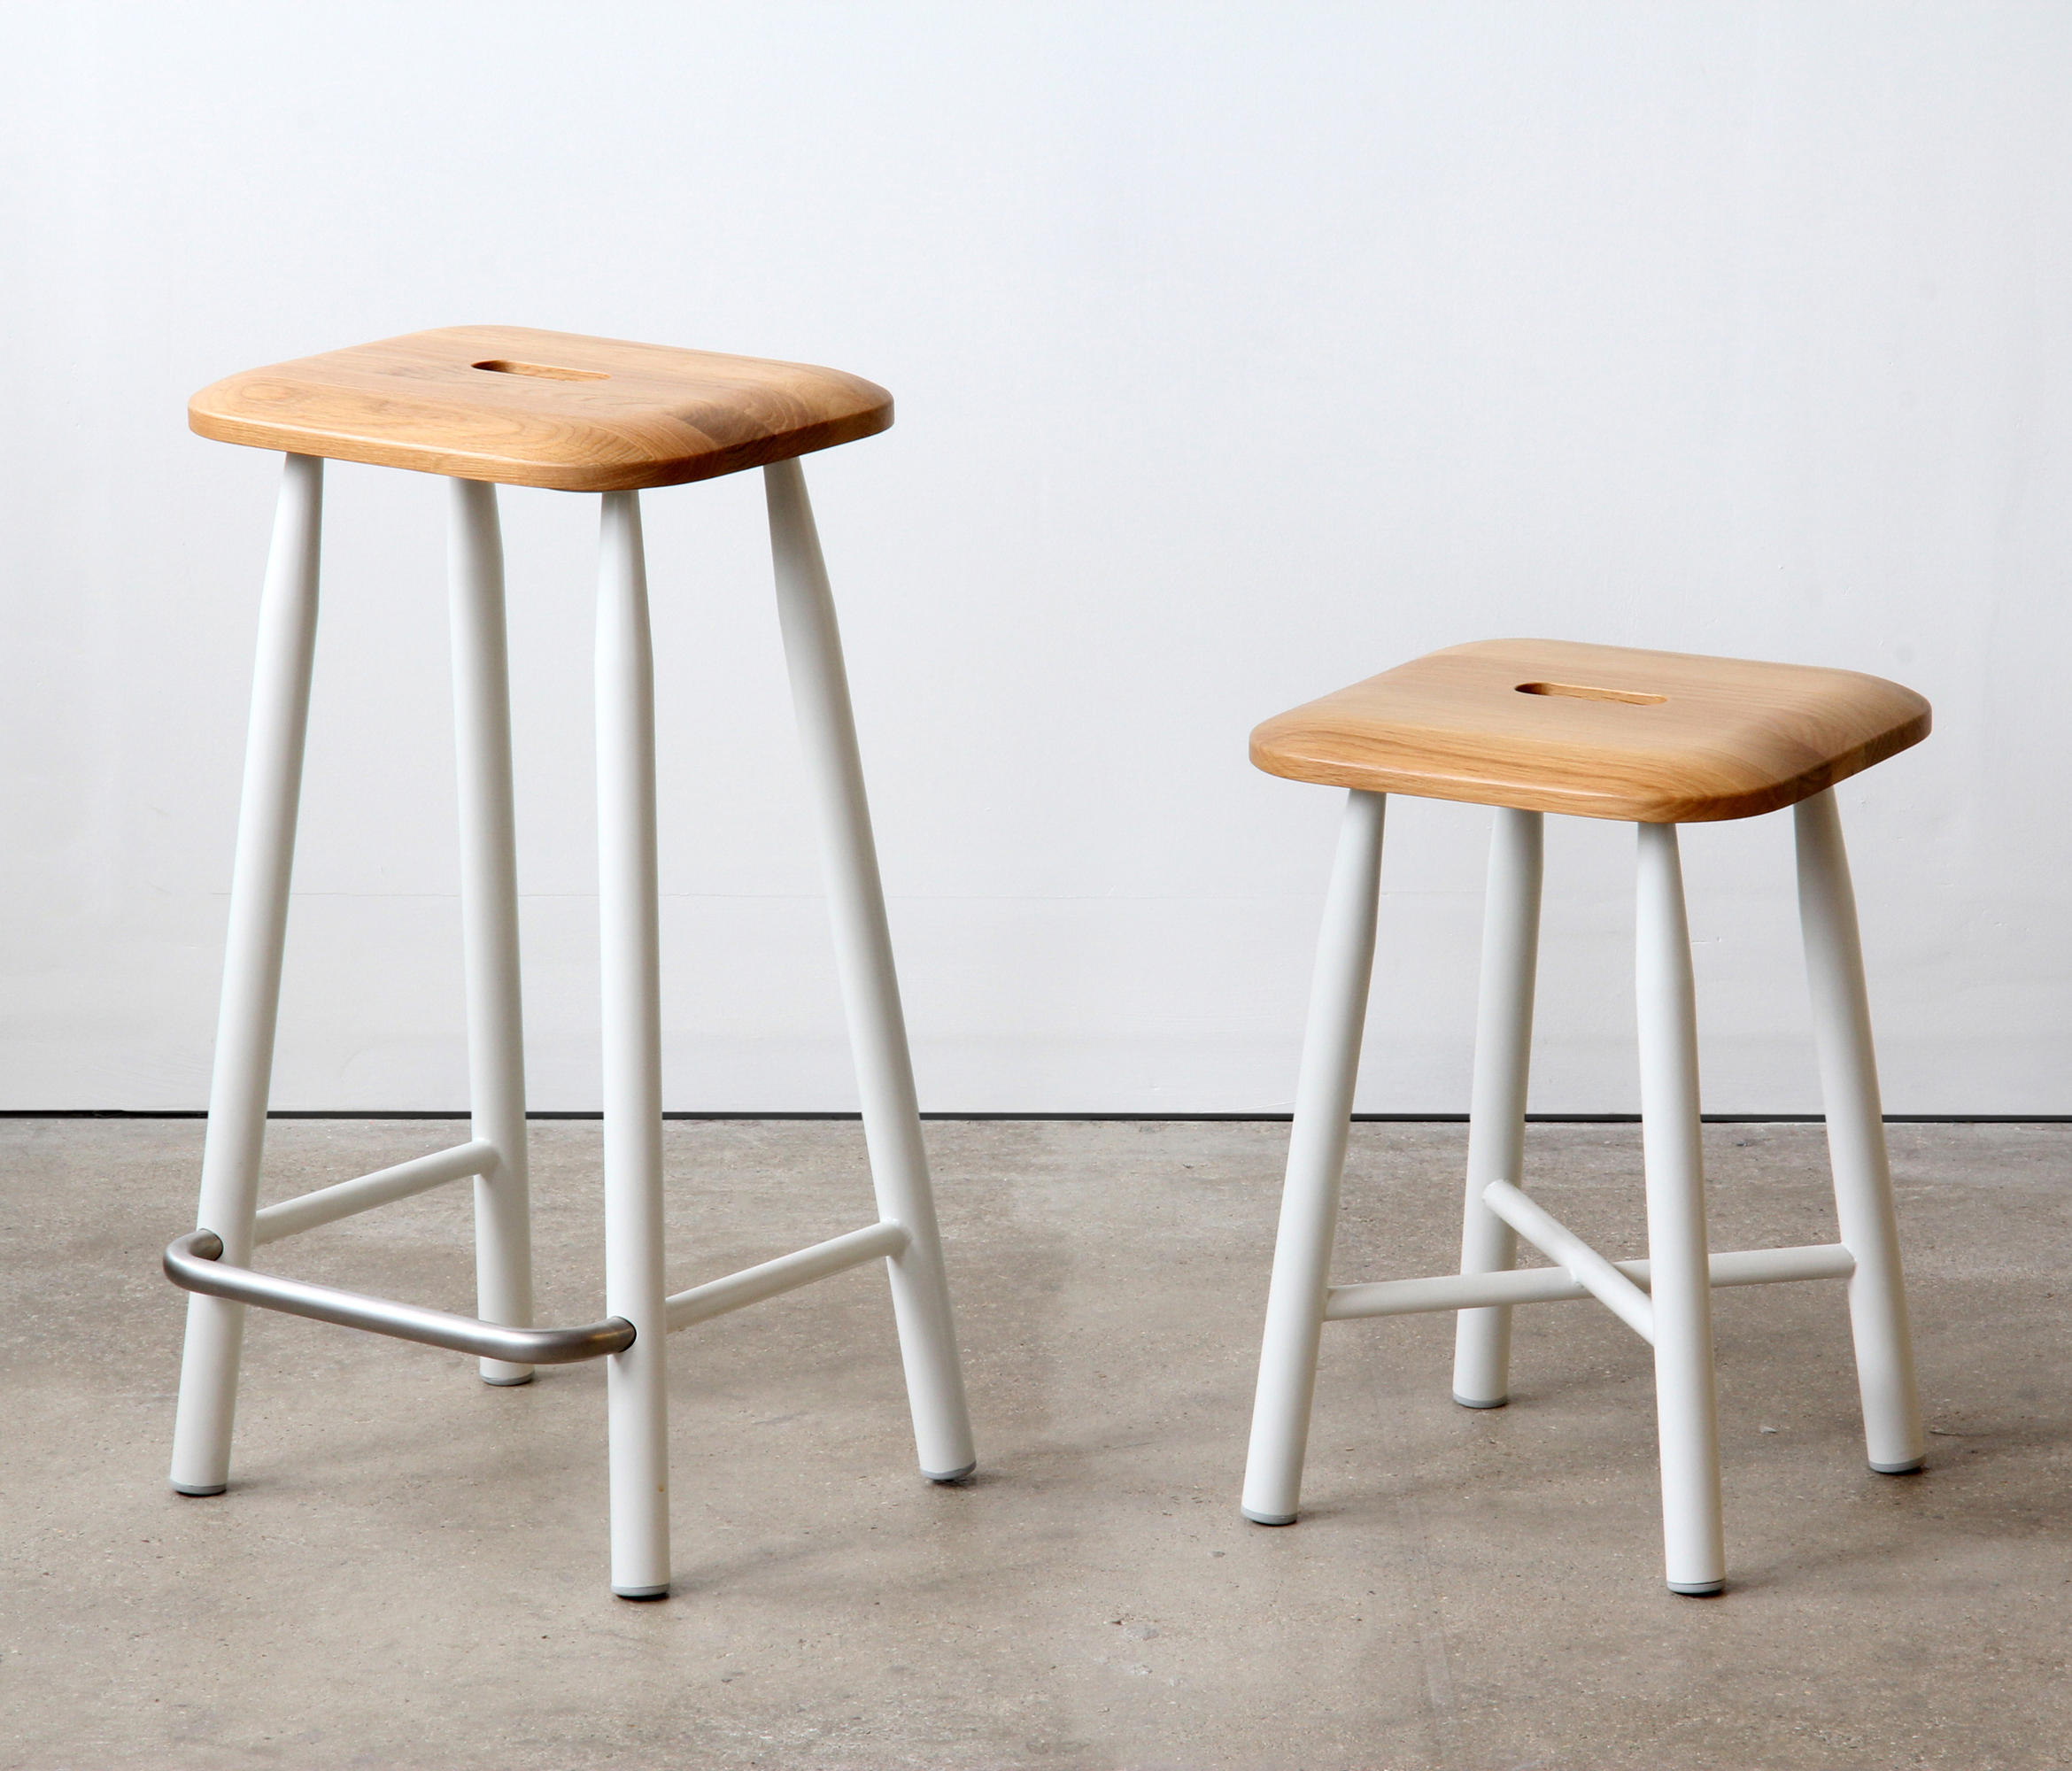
x=195, y=1263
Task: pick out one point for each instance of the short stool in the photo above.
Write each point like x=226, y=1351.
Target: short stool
x=1658, y=738
x=484, y=405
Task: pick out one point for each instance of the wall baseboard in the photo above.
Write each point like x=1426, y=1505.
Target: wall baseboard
x=1082, y=1118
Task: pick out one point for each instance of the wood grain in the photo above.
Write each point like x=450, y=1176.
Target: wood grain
x=530, y=408
x=1601, y=732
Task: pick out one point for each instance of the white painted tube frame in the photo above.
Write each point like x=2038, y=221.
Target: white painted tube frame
x=1670, y=1293
x=1585, y=1265
x=244, y=1067
x=629, y=919
x=1687, y=1425
x=213, y=1264
x=1496, y=1102
x=488, y=915
x=1557, y=1284
x=1316, y=1166
x=1893, y=1433
x=786, y=1273
x=869, y=981
x=348, y=1198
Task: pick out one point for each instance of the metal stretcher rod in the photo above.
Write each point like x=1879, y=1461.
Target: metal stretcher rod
x=194, y=1262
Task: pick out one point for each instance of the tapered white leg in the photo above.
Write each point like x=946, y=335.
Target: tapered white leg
x=1316, y=1162
x=870, y=990
x=1856, y=1142
x=1687, y=1420
x=1503, y=1043
x=488, y=916
x=251, y=971
x=629, y=918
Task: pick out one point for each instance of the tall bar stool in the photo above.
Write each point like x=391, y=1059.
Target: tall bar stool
x=498, y=405
x=1659, y=739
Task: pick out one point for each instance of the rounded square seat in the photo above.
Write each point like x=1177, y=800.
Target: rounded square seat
x=1600, y=732
x=524, y=407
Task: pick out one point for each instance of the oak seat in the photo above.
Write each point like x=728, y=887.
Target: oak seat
x=525, y=408
x=1600, y=732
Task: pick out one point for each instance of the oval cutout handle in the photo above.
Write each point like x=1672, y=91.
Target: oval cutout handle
x=544, y=371
x=1578, y=691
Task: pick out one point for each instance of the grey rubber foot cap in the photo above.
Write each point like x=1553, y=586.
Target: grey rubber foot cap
x=949, y=1478
x=508, y=1384
x=1906, y=1469
x=1469, y=1402
x=199, y=1494
x=640, y=1593
x=1698, y=1589
x=1268, y=1518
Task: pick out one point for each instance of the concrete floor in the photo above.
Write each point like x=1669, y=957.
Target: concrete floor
x=409, y=1570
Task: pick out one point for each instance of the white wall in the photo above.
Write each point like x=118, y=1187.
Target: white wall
x=1240, y=351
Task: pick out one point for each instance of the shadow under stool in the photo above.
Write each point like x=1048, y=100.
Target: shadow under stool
x=1656, y=739
x=484, y=405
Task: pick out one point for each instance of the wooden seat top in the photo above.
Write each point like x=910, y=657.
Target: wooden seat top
x=1602, y=731
x=530, y=408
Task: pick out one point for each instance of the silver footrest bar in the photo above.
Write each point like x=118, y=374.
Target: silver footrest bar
x=786, y=1273
x=1556, y=1284
x=195, y=1263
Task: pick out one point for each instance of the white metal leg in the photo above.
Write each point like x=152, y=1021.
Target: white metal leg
x=628, y=917
x=1856, y=1142
x=252, y=969
x=488, y=916
x=1679, y=1278
x=1316, y=1164
x=870, y=991
x=1504, y=1042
